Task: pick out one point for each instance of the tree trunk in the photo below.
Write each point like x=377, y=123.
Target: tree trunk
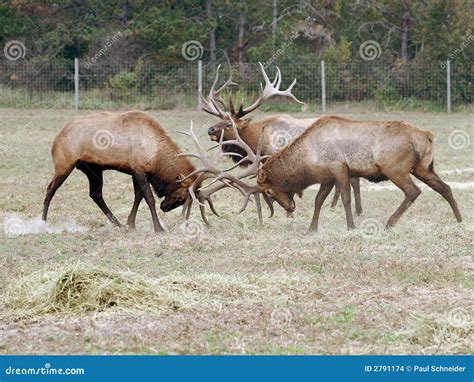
x=124, y=15
x=274, y=21
x=212, y=32
x=406, y=24
x=240, y=41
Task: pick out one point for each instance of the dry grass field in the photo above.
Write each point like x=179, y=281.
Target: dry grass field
x=235, y=287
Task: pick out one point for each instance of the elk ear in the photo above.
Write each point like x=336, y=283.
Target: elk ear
x=262, y=175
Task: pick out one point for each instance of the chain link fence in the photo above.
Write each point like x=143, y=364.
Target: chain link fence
x=166, y=85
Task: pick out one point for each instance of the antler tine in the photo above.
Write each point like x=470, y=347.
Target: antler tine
x=269, y=202
x=186, y=208
x=210, y=105
x=209, y=108
x=211, y=91
x=278, y=74
x=227, y=83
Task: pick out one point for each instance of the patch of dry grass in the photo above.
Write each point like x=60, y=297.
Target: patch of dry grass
x=235, y=287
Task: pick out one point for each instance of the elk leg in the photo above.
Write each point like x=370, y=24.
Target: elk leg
x=432, y=179
x=336, y=197
x=58, y=180
x=136, y=202
x=323, y=193
x=411, y=193
x=94, y=174
x=343, y=181
x=355, y=183
x=150, y=200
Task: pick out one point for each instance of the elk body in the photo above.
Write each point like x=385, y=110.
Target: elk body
x=278, y=131
x=333, y=149
x=133, y=143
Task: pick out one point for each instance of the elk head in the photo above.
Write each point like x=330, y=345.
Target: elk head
x=215, y=105
x=278, y=192
x=178, y=196
x=220, y=178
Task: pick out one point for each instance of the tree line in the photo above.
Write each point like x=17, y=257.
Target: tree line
x=241, y=31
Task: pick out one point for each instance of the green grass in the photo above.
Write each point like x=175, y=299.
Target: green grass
x=235, y=287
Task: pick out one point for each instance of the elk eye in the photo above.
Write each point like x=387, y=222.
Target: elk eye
x=269, y=192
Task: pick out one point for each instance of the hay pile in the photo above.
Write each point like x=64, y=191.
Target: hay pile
x=442, y=332
x=82, y=290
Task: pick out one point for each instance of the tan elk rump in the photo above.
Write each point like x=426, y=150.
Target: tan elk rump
x=133, y=143
x=334, y=149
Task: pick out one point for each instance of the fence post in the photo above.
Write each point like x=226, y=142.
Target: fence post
x=76, y=83
x=199, y=84
x=448, y=86
x=323, y=87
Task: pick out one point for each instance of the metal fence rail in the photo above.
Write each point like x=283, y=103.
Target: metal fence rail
x=67, y=83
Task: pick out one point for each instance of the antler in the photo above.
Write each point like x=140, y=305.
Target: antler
x=223, y=178
x=215, y=105
x=211, y=105
x=271, y=89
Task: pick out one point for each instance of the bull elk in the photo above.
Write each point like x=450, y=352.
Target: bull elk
x=278, y=131
x=133, y=143
x=334, y=149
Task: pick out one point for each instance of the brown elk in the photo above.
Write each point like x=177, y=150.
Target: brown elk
x=278, y=131
x=334, y=149
x=133, y=143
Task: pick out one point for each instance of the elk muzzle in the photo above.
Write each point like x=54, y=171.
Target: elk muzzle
x=170, y=203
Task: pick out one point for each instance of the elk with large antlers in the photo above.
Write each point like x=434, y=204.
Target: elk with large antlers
x=278, y=131
x=334, y=148
x=133, y=143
